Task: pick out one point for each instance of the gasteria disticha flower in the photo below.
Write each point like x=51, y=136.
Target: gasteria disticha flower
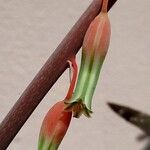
x=95, y=46
x=57, y=120
x=54, y=127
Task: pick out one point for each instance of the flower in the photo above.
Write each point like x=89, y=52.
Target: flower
x=54, y=127
x=57, y=120
x=94, y=50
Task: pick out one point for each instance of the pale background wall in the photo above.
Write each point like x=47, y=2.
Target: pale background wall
x=29, y=33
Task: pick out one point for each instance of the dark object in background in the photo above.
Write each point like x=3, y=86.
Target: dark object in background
x=135, y=117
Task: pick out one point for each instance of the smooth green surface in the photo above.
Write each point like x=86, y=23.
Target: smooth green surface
x=47, y=144
x=92, y=81
x=86, y=84
x=81, y=86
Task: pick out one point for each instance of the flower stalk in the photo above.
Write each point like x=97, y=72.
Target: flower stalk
x=94, y=50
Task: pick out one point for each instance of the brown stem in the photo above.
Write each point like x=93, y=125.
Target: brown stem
x=104, y=6
x=47, y=76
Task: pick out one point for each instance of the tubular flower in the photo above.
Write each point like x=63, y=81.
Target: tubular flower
x=94, y=49
x=57, y=120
